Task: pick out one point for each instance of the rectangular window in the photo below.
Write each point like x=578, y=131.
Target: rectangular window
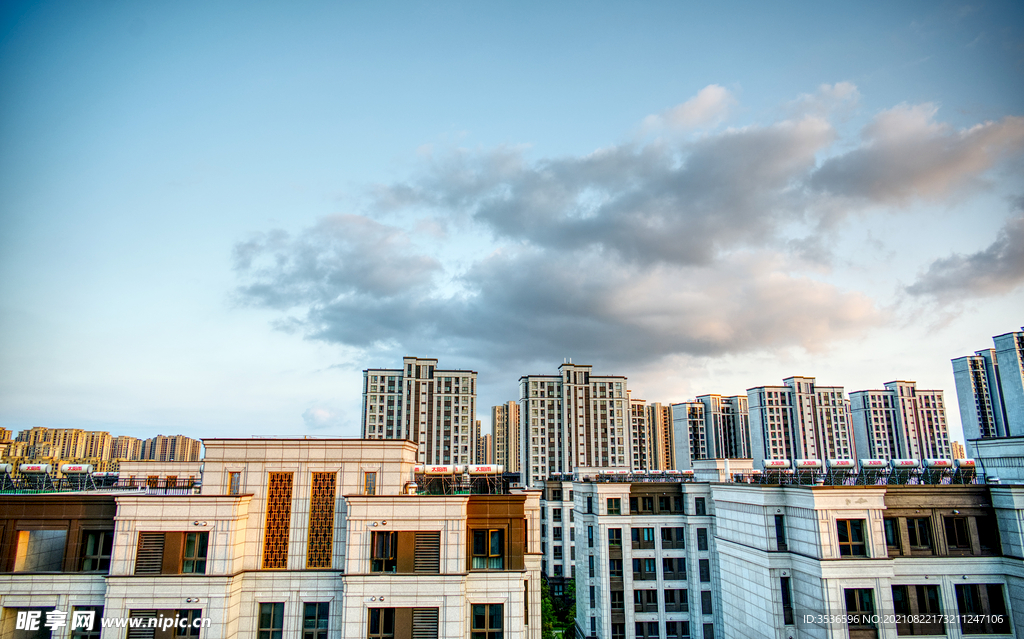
x=614, y=537
x=487, y=621
x=382, y=623
x=918, y=608
x=780, y=532
x=678, y=504
x=590, y=505
x=96, y=549
x=189, y=620
x=618, y=631
x=860, y=608
x=851, y=538
x=705, y=570
x=383, y=551
x=234, y=483
x=40, y=550
x=702, y=539
x=590, y=536
x=278, y=521
x=314, y=620
x=614, y=506
x=590, y=565
x=919, y=533
x=618, y=600
x=988, y=534
x=320, y=546
x=787, y=602
x=614, y=568
x=699, y=506
x=194, y=558
x=92, y=628
x=957, y=537
x=642, y=537
x=705, y=602
x=892, y=535
x=646, y=504
x=370, y=483
x=271, y=621
x=982, y=609
x=489, y=549
x=709, y=631
x=664, y=504
x=593, y=597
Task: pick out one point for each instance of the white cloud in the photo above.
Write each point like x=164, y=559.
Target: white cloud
x=709, y=108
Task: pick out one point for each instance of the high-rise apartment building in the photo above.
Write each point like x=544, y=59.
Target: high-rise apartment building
x=715, y=427
x=659, y=416
x=433, y=407
x=485, y=449
x=126, y=447
x=642, y=437
x=958, y=450
x=171, y=448
x=990, y=389
x=799, y=420
x=573, y=419
x=505, y=425
x=900, y=422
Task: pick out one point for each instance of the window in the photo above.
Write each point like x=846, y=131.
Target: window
x=644, y=570
x=383, y=551
x=983, y=609
x=614, y=506
x=702, y=539
x=91, y=627
x=780, y=533
x=618, y=631
x=278, y=521
x=892, y=535
x=190, y=620
x=860, y=606
x=664, y=504
x=489, y=549
x=557, y=552
x=590, y=536
x=671, y=629
x=709, y=631
x=988, y=534
x=614, y=568
x=96, y=547
x=642, y=537
x=618, y=600
x=382, y=623
x=913, y=604
x=593, y=597
x=851, y=538
x=678, y=504
x=234, y=483
x=320, y=544
x=487, y=621
x=647, y=630
x=957, y=537
x=556, y=514
x=919, y=533
x=370, y=483
x=699, y=506
x=645, y=601
x=314, y=620
x=194, y=558
x=590, y=565
x=614, y=537
x=672, y=538
x=40, y=550
x=590, y=505
x=675, y=601
x=705, y=570
x=647, y=504
x=556, y=533
x=787, y=601
x=705, y=602
x=271, y=621
x=674, y=567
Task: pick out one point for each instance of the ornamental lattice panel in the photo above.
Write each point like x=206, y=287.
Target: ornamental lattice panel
x=321, y=521
x=278, y=520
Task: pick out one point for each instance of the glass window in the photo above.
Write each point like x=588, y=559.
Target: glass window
x=234, y=483
x=860, y=607
x=190, y=623
x=271, y=621
x=85, y=622
x=194, y=558
x=956, y=533
x=487, y=621
x=614, y=506
x=96, y=548
x=918, y=608
x=851, y=538
x=780, y=532
x=383, y=552
x=787, y=601
x=982, y=609
x=382, y=624
x=489, y=549
x=314, y=620
x=702, y=539
x=614, y=536
x=699, y=506
x=892, y=533
x=370, y=483
x=705, y=602
x=919, y=533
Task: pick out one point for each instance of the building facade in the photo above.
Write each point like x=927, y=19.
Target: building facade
x=285, y=538
x=900, y=422
x=990, y=390
x=572, y=419
x=433, y=407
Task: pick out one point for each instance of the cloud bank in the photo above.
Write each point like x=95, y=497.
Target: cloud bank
x=637, y=251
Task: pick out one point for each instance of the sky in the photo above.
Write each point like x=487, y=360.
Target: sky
x=214, y=216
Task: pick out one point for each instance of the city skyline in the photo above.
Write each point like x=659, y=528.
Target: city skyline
x=212, y=220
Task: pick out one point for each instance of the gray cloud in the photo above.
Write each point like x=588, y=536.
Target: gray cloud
x=997, y=269
x=905, y=154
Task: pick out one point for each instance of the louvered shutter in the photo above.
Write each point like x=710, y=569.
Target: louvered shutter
x=428, y=552
x=424, y=623
x=150, y=556
x=142, y=632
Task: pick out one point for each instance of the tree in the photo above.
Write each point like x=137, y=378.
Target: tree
x=547, y=612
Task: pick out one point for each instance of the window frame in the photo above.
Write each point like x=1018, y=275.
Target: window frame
x=851, y=545
x=493, y=560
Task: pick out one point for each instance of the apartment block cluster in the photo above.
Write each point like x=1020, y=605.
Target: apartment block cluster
x=101, y=450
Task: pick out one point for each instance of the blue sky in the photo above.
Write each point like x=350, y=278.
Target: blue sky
x=214, y=216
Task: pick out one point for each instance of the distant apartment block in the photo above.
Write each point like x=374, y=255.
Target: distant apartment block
x=659, y=416
x=900, y=422
x=958, y=450
x=573, y=419
x=485, y=449
x=436, y=408
x=505, y=425
x=642, y=438
x=799, y=420
x=126, y=447
x=173, y=448
x=710, y=427
x=990, y=389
